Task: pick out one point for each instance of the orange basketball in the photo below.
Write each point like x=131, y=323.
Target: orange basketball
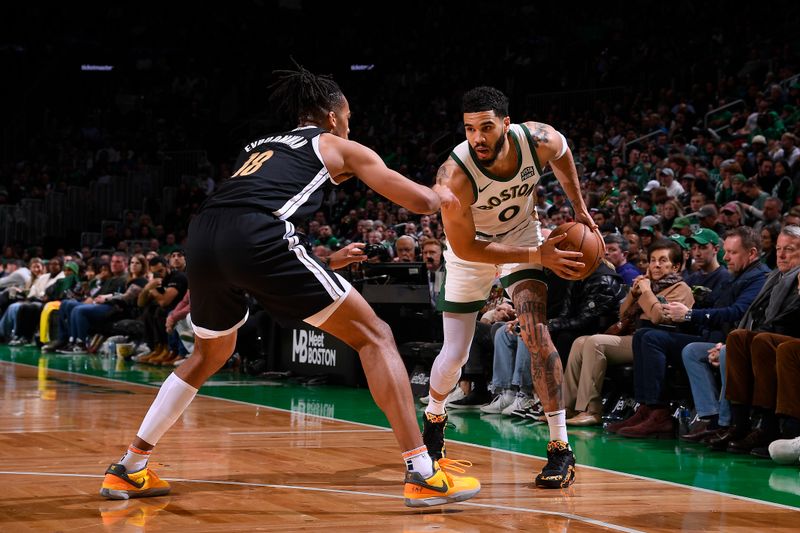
x=581, y=239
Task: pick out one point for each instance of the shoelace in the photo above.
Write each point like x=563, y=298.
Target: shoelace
x=455, y=465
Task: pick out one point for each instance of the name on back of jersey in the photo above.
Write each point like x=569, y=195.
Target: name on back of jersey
x=292, y=141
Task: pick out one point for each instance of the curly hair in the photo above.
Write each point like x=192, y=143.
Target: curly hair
x=485, y=99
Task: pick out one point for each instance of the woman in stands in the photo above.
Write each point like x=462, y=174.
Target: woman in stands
x=671, y=210
x=590, y=354
x=138, y=276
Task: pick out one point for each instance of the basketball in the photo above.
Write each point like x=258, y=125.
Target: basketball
x=580, y=238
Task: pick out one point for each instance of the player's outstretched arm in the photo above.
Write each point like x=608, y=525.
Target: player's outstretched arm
x=343, y=157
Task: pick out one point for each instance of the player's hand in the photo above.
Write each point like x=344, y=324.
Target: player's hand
x=565, y=264
x=585, y=218
x=352, y=253
x=447, y=199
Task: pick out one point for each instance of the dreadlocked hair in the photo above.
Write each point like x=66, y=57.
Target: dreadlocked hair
x=305, y=96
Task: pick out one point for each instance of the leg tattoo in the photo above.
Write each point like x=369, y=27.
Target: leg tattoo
x=530, y=301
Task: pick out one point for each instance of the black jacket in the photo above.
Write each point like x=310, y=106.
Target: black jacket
x=716, y=322
x=592, y=304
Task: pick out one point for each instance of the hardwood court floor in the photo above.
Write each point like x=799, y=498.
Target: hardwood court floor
x=244, y=467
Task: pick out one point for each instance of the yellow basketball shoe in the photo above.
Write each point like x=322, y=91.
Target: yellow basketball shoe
x=121, y=485
x=441, y=487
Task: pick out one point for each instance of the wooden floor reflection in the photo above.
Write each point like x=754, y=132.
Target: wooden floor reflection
x=240, y=467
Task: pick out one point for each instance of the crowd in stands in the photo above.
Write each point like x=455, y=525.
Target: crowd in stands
x=700, y=215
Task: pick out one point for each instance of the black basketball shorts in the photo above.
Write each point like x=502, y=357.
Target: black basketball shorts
x=236, y=250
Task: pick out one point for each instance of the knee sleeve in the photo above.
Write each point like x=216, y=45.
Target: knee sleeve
x=458, y=332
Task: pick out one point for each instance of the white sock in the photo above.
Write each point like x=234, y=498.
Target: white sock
x=172, y=400
x=418, y=460
x=134, y=459
x=435, y=407
x=557, y=420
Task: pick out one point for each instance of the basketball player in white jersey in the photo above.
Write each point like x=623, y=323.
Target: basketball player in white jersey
x=495, y=231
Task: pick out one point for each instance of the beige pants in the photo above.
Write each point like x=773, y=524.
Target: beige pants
x=586, y=368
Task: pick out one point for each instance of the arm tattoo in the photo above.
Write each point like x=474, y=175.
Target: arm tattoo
x=441, y=174
x=538, y=135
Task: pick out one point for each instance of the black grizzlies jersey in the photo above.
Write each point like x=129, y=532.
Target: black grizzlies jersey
x=280, y=174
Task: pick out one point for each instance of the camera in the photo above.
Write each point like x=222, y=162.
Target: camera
x=376, y=250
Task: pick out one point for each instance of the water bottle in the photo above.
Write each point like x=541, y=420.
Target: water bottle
x=684, y=417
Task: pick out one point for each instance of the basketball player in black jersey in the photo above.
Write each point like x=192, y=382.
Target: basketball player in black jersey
x=244, y=239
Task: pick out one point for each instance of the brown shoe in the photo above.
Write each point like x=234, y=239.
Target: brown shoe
x=698, y=431
x=169, y=359
x=713, y=434
x=157, y=352
x=585, y=419
x=701, y=432
x=640, y=414
x=758, y=438
x=157, y=360
x=721, y=441
x=658, y=425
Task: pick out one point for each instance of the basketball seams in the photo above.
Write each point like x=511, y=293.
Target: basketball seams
x=567, y=229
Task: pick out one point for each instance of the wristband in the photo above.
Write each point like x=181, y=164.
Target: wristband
x=534, y=256
x=688, y=316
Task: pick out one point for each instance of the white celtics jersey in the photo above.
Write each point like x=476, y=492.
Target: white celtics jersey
x=502, y=203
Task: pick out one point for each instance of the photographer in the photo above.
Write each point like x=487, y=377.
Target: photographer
x=375, y=250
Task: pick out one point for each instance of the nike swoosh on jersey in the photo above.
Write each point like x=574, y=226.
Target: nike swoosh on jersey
x=484, y=188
